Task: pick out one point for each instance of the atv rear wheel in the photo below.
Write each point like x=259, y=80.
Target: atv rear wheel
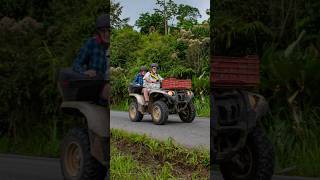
x=134, y=114
x=76, y=160
x=159, y=112
x=188, y=114
x=254, y=162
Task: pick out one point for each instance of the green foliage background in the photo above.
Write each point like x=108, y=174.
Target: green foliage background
x=286, y=37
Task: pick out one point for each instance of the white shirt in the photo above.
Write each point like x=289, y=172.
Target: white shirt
x=150, y=78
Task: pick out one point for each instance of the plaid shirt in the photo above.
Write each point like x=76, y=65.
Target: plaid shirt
x=92, y=55
x=138, y=79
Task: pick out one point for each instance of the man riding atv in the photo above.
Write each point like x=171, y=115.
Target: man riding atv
x=160, y=101
x=84, y=88
x=91, y=62
x=151, y=81
x=138, y=79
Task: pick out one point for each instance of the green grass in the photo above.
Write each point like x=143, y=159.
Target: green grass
x=35, y=144
x=296, y=146
x=202, y=107
x=166, y=159
x=122, y=106
x=124, y=166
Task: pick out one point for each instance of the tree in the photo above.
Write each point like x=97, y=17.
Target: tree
x=147, y=21
x=168, y=10
x=115, y=12
x=187, y=16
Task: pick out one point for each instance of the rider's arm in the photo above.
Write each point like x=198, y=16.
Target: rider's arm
x=147, y=77
x=136, y=79
x=81, y=59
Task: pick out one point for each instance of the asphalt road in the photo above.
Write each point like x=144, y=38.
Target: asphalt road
x=193, y=134
x=14, y=167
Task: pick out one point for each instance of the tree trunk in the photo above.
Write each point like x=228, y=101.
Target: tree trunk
x=165, y=18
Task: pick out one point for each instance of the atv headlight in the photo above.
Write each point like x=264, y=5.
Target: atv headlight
x=170, y=93
x=190, y=93
x=252, y=101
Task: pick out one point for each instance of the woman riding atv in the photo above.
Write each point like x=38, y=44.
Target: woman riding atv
x=151, y=81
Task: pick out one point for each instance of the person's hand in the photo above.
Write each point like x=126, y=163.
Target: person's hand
x=91, y=73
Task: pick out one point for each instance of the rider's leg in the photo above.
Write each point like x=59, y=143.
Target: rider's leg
x=146, y=95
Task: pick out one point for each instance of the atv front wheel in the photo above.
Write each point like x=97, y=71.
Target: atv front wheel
x=76, y=160
x=188, y=114
x=254, y=162
x=134, y=114
x=159, y=112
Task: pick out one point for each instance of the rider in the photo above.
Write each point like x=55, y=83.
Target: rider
x=138, y=80
x=92, y=60
x=151, y=81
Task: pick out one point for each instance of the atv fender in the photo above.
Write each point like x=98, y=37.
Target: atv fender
x=98, y=121
x=261, y=106
x=156, y=94
x=140, y=100
x=138, y=97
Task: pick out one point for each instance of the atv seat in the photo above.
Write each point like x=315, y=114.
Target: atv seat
x=77, y=87
x=135, y=89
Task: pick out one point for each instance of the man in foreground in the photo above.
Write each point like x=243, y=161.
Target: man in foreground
x=92, y=61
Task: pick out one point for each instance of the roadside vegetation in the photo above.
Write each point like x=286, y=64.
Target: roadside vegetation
x=285, y=34
x=181, y=50
x=160, y=159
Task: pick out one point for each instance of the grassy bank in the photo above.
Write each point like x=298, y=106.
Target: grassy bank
x=162, y=159
x=296, y=144
x=202, y=106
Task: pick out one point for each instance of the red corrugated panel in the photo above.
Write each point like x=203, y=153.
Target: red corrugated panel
x=235, y=71
x=173, y=83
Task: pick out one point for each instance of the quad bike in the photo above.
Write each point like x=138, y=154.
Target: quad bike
x=161, y=104
x=240, y=146
x=84, y=150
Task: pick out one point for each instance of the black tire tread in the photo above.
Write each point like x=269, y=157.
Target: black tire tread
x=139, y=115
x=91, y=166
x=263, y=154
x=192, y=114
x=164, y=112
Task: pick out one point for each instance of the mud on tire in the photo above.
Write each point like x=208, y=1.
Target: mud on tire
x=134, y=114
x=159, y=112
x=76, y=160
x=259, y=151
